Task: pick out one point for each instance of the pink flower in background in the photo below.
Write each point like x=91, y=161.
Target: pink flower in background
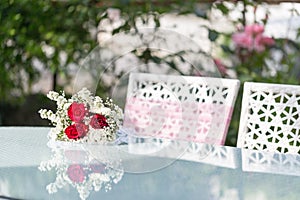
x=243, y=40
x=252, y=38
x=267, y=41
x=259, y=46
x=261, y=42
x=221, y=67
x=254, y=29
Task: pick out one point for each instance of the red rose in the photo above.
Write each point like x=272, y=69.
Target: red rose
x=77, y=111
x=98, y=121
x=76, y=131
x=76, y=173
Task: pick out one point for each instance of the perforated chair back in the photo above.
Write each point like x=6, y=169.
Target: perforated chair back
x=270, y=118
x=186, y=108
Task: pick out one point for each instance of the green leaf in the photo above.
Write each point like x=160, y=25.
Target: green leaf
x=226, y=49
x=201, y=13
x=222, y=8
x=212, y=35
x=12, y=32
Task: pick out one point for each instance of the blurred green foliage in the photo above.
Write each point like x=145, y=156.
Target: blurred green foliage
x=40, y=31
x=29, y=27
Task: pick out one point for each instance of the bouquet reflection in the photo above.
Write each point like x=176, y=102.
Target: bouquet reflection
x=85, y=167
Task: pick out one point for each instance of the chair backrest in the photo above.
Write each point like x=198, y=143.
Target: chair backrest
x=270, y=118
x=186, y=108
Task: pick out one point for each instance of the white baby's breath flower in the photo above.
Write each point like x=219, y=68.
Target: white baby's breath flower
x=43, y=166
x=52, y=135
x=95, y=109
x=105, y=111
x=83, y=192
x=51, y=188
x=53, y=95
x=98, y=100
x=85, y=95
x=59, y=125
x=61, y=101
x=84, y=92
x=49, y=113
x=43, y=113
x=99, y=177
x=66, y=106
x=53, y=118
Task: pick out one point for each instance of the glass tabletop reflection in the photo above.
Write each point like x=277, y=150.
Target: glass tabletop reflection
x=31, y=167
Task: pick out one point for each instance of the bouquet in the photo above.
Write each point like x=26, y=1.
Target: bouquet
x=83, y=118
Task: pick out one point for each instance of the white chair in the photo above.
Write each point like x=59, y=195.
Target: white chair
x=186, y=108
x=270, y=162
x=270, y=118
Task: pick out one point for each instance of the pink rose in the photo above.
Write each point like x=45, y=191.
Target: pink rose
x=252, y=38
x=76, y=173
x=77, y=111
x=267, y=41
x=98, y=121
x=261, y=42
x=75, y=131
x=243, y=40
x=258, y=45
x=254, y=29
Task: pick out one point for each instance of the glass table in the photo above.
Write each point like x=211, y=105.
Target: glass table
x=30, y=165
